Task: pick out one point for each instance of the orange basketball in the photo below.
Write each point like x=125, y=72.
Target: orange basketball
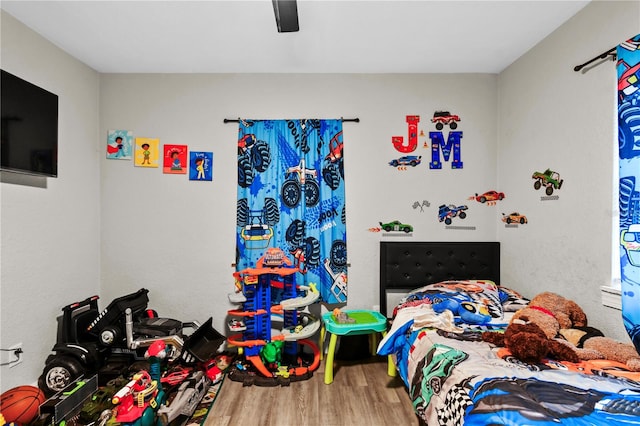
x=21, y=404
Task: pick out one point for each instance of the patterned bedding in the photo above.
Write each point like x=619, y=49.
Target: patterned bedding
x=455, y=378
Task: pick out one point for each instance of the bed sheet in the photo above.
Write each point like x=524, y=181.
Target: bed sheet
x=454, y=378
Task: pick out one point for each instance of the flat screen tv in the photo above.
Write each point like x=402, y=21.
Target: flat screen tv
x=29, y=132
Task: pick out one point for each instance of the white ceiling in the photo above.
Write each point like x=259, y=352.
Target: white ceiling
x=361, y=36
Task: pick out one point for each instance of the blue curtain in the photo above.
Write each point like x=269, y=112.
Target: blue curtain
x=291, y=196
x=628, y=67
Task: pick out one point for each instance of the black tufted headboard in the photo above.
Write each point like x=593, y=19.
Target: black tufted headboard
x=408, y=265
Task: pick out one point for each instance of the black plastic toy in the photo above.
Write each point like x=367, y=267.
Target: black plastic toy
x=107, y=342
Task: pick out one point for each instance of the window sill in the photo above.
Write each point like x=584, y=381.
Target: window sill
x=611, y=297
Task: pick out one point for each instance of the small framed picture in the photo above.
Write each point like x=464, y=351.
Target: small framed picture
x=175, y=159
x=120, y=145
x=200, y=165
x=146, y=152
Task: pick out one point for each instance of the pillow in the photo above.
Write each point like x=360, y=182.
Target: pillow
x=446, y=294
x=512, y=300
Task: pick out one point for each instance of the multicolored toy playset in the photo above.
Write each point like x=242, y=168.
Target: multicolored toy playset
x=263, y=292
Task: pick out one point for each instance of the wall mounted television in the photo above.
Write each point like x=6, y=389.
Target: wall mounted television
x=29, y=130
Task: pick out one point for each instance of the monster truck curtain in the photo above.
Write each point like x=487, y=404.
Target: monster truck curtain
x=291, y=196
x=629, y=146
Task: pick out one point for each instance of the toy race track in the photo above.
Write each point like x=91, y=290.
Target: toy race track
x=255, y=288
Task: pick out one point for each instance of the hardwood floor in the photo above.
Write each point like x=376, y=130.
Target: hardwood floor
x=361, y=394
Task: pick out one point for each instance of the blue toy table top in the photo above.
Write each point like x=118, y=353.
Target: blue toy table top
x=365, y=322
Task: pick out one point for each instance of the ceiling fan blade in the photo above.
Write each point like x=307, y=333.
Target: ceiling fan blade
x=286, y=12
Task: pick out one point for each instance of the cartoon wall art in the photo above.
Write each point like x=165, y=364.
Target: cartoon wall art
x=489, y=198
x=425, y=145
x=396, y=226
x=442, y=118
x=147, y=152
x=421, y=205
x=174, y=159
x=447, y=212
x=513, y=219
x=412, y=143
x=550, y=180
x=451, y=146
x=201, y=165
x=120, y=145
x=404, y=161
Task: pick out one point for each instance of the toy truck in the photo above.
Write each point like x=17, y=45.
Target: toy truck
x=108, y=341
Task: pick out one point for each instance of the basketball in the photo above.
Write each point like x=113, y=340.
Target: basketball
x=21, y=404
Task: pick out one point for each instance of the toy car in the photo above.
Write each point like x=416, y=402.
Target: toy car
x=176, y=376
x=490, y=196
x=447, y=212
x=214, y=373
x=107, y=342
x=237, y=325
x=407, y=160
x=396, y=226
x=514, y=217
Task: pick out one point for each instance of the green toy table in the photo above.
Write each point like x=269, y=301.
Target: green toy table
x=366, y=322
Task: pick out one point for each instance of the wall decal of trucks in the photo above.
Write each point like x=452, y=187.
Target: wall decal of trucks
x=549, y=179
x=445, y=118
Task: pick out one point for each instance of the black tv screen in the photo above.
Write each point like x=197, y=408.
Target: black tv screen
x=29, y=132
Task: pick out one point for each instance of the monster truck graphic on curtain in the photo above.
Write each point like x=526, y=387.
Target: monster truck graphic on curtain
x=291, y=196
x=628, y=68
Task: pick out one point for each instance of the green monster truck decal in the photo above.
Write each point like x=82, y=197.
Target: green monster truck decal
x=549, y=179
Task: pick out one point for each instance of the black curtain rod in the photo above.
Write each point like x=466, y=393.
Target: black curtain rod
x=610, y=52
x=237, y=120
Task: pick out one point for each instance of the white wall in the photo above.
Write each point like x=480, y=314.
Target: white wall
x=111, y=228
x=552, y=117
x=50, y=242
x=177, y=238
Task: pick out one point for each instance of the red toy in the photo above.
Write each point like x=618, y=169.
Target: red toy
x=20, y=404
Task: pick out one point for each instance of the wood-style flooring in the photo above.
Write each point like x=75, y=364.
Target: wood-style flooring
x=361, y=394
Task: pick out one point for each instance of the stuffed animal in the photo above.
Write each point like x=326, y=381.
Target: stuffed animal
x=563, y=322
x=532, y=336
x=594, y=342
x=568, y=313
x=528, y=342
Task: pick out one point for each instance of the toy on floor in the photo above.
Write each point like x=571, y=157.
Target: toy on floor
x=20, y=404
x=139, y=400
x=269, y=354
x=107, y=341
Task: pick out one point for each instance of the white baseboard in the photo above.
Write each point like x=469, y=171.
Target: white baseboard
x=611, y=297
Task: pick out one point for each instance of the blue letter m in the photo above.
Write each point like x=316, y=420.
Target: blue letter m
x=437, y=141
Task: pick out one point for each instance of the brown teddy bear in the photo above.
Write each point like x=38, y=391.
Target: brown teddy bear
x=532, y=335
x=564, y=323
x=593, y=341
x=568, y=313
x=527, y=340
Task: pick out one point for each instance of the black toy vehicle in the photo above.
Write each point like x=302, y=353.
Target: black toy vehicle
x=107, y=342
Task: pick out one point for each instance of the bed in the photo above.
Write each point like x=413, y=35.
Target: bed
x=452, y=376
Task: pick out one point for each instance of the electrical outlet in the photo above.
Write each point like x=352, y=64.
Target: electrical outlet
x=15, y=357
